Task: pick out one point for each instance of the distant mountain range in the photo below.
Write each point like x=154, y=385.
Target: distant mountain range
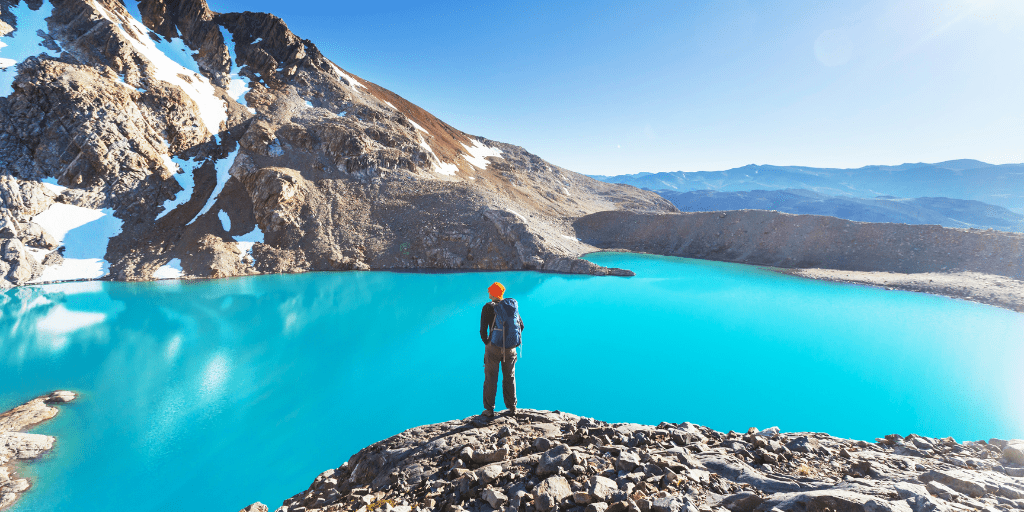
x=1001, y=185
x=944, y=211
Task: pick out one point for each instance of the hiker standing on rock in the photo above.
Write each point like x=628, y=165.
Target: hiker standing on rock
x=501, y=317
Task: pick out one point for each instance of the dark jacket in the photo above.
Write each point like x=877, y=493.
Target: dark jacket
x=487, y=318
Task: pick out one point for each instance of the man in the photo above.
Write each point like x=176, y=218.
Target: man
x=500, y=330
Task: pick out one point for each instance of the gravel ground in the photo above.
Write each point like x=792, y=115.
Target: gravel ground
x=989, y=289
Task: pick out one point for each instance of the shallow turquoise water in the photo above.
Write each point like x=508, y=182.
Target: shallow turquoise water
x=211, y=395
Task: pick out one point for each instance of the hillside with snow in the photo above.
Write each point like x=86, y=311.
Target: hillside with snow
x=157, y=139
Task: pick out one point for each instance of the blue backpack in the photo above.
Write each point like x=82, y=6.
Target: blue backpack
x=505, y=330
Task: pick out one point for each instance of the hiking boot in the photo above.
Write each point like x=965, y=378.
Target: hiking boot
x=512, y=411
x=488, y=413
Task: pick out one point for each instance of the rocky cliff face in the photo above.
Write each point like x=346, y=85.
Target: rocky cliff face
x=808, y=241
x=162, y=139
x=545, y=461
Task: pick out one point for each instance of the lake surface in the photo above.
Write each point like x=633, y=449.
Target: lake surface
x=210, y=395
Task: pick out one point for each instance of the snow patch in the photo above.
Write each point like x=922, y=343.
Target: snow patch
x=567, y=237
x=447, y=169
x=223, y=166
x=246, y=241
x=343, y=113
x=517, y=214
x=171, y=58
x=308, y=104
x=84, y=233
x=225, y=220
x=417, y=126
x=435, y=163
x=187, y=181
x=349, y=79
x=480, y=153
x=23, y=42
x=51, y=183
x=172, y=270
x=388, y=103
x=238, y=87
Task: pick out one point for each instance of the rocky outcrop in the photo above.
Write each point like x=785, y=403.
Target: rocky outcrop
x=545, y=461
x=17, y=445
x=257, y=154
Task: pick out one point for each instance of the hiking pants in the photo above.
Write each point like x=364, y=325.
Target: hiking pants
x=506, y=358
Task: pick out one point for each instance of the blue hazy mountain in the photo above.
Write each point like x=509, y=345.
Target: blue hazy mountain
x=1001, y=185
x=944, y=211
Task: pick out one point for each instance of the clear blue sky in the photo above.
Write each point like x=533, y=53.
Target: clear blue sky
x=611, y=87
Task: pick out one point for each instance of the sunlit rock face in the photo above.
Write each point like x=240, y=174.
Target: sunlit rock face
x=161, y=139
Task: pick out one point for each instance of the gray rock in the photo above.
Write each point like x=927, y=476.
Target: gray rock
x=494, y=497
x=489, y=456
x=804, y=444
x=955, y=480
x=672, y=504
x=742, y=502
x=940, y=490
x=553, y=459
x=1013, y=451
x=489, y=473
x=255, y=507
x=541, y=444
x=550, y=492
x=596, y=507
x=737, y=471
x=627, y=461
x=833, y=499
x=601, y=488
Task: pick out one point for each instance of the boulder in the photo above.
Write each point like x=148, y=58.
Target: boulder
x=255, y=507
x=742, y=502
x=553, y=459
x=551, y=492
x=1013, y=451
x=954, y=480
x=833, y=500
x=601, y=488
x=489, y=473
x=494, y=497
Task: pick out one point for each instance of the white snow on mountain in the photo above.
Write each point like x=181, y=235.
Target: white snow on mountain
x=172, y=270
x=84, y=233
x=479, y=153
x=171, y=59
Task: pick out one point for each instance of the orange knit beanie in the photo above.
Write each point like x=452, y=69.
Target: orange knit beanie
x=497, y=290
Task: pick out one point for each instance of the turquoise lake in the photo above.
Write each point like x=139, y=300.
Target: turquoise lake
x=211, y=395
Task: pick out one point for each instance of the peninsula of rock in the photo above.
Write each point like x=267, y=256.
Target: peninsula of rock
x=981, y=265
x=16, y=445
x=541, y=461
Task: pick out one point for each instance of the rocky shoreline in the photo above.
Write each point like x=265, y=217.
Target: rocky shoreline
x=540, y=461
x=978, y=265
x=999, y=291
x=16, y=445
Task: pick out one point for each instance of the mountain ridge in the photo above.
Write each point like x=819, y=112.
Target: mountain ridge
x=958, y=179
